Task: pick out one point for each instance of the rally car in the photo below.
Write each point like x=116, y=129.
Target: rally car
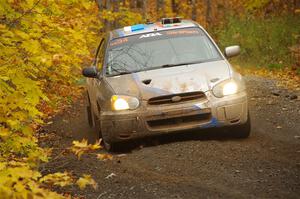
x=163, y=77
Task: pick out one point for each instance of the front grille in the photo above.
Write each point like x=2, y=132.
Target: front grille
x=167, y=99
x=177, y=121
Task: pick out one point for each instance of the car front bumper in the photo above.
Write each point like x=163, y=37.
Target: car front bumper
x=150, y=120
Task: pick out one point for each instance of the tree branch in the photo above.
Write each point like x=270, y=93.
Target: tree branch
x=25, y=13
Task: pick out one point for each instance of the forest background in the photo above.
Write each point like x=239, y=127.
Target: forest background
x=45, y=43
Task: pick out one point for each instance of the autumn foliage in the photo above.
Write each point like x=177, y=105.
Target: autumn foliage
x=42, y=47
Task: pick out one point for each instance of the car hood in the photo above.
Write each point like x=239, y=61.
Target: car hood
x=166, y=81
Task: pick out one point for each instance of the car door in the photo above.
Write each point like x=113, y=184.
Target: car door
x=97, y=82
x=94, y=83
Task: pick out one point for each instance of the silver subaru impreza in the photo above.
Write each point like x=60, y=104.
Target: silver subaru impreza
x=163, y=77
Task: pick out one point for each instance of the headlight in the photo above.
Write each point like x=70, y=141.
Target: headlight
x=122, y=102
x=228, y=87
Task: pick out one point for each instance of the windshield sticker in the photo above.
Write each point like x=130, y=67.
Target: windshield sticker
x=150, y=35
x=119, y=42
x=182, y=32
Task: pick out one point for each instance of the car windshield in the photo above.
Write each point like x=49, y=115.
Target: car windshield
x=159, y=49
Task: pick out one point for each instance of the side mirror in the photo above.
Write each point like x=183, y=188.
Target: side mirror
x=232, y=51
x=90, y=72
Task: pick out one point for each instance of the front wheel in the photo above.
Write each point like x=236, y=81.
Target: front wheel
x=241, y=131
x=109, y=146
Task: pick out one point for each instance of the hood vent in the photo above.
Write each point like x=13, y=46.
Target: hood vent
x=147, y=81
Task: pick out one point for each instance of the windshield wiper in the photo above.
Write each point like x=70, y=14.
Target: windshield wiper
x=179, y=64
x=120, y=71
x=124, y=73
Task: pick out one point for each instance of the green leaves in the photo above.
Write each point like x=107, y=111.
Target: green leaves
x=255, y=4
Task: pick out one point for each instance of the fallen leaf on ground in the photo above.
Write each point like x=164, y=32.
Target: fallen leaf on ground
x=82, y=182
x=104, y=157
x=59, y=179
x=82, y=147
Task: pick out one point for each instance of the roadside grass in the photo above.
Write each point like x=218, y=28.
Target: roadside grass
x=265, y=42
x=265, y=46
x=285, y=77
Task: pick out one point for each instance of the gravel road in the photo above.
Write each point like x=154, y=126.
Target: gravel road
x=193, y=164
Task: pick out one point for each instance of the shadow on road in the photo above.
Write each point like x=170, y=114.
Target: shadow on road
x=195, y=135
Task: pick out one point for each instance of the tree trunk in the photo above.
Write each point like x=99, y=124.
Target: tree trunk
x=174, y=6
x=115, y=9
x=107, y=23
x=145, y=13
x=161, y=8
x=132, y=4
x=194, y=10
x=208, y=12
x=99, y=4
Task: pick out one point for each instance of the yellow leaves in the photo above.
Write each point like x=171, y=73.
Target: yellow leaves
x=82, y=147
x=13, y=124
x=2, y=165
x=86, y=180
x=31, y=46
x=17, y=180
x=286, y=77
x=65, y=179
x=40, y=58
x=4, y=134
x=104, y=157
x=21, y=34
x=59, y=179
x=86, y=4
x=255, y=4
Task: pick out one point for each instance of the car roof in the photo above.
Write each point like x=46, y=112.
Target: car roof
x=152, y=27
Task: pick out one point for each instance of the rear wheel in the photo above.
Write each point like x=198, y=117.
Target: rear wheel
x=89, y=111
x=97, y=126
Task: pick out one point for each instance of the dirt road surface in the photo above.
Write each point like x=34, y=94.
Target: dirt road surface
x=201, y=164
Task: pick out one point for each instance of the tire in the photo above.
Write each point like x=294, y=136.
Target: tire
x=109, y=146
x=97, y=127
x=89, y=116
x=242, y=131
